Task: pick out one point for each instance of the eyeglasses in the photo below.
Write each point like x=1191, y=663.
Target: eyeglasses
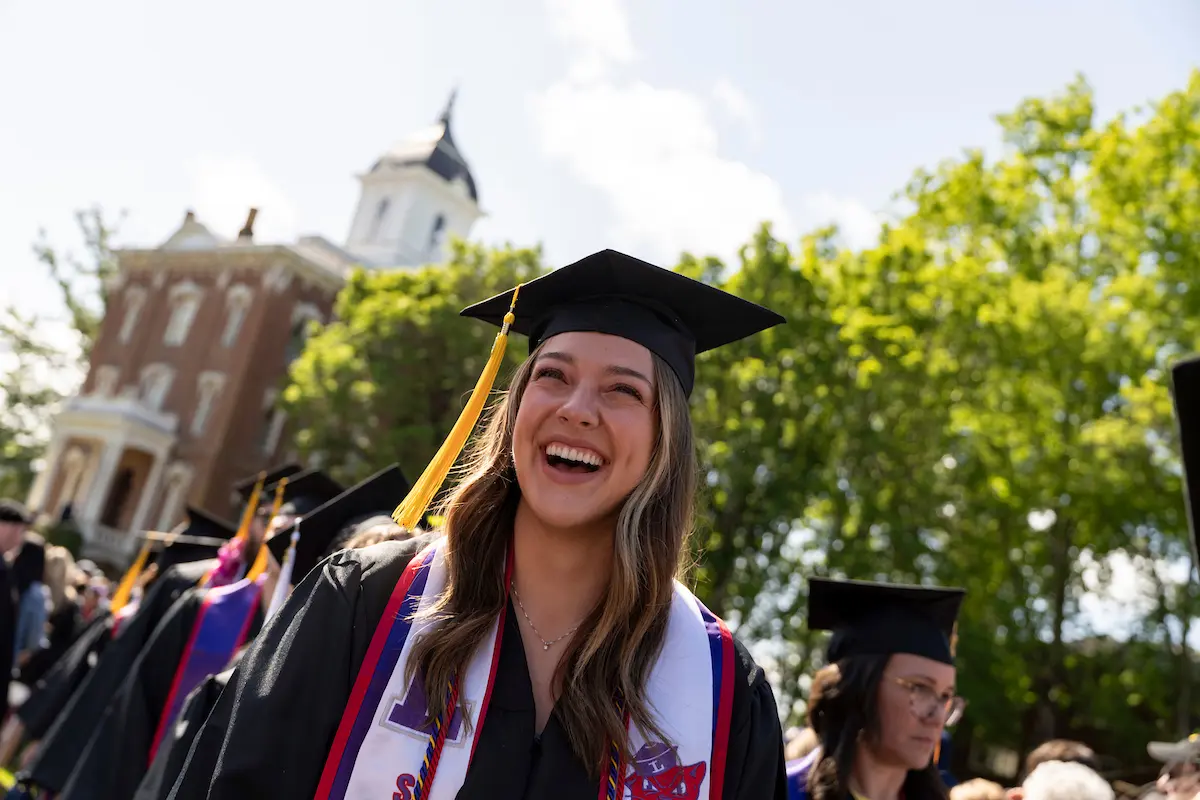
x=925, y=703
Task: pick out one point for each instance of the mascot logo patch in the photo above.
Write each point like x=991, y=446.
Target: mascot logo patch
x=658, y=775
x=407, y=715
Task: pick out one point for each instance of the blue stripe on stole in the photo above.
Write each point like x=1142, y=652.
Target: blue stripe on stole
x=716, y=651
x=397, y=636
x=223, y=621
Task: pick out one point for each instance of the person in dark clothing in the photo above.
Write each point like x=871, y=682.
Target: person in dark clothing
x=15, y=519
x=28, y=568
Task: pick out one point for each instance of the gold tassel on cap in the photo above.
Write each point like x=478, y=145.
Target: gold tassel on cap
x=243, y=530
x=260, y=560
x=125, y=588
x=409, y=513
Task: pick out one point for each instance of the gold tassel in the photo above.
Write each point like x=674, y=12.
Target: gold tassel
x=409, y=513
x=125, y=588
x=243, y=530
x=260, y=560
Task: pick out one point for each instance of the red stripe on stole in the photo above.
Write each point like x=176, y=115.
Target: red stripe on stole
x=365, y=673
x=720, y=751
x=487, y=695
x=163, y=720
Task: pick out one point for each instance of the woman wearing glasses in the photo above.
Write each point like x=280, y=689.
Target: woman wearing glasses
x=880, y=705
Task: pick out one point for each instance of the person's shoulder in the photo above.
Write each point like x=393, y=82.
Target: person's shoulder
x=375, y=567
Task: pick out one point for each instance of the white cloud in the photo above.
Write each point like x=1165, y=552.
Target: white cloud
x=857, y=224
x=224, y=188
x=738, y=106
x=653, y=153
x=597, y=31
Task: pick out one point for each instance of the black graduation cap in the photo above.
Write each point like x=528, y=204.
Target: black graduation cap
x=320, y=529
x=200, y=524
x=245, y=486
x=884, y=618
x=669, y=314
x=1186, y=377
x=304, y=492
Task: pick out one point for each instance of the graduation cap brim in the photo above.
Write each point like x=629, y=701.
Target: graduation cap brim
x=375, y=496
x=305, y=491
x=1186, y=379
x=669, y=314
x=209, y=529
x=245, y=486
x=869, y=618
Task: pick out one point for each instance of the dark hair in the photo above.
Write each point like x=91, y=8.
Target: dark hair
x=1062, y=750
x=30, y=564
x=13, y=511
x=843, y=707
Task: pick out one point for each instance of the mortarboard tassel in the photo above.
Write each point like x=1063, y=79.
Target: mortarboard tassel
x=125, y=588
x=409, y=513
x=285, y=575
x=243, y=530
x=260, y=560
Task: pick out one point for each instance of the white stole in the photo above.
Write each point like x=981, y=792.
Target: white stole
x=680, y=690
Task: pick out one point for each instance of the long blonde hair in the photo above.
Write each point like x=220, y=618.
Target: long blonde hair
x=57, y=574
x=616, y=646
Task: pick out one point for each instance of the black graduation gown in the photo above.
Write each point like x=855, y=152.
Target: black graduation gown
x=271, y=730
x=8, y=633
x=62, y=745
x=64, y=626
x=173, y=752
x=118, y=755
x=50, y=694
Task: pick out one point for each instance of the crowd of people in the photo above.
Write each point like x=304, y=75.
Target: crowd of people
x=534, y=643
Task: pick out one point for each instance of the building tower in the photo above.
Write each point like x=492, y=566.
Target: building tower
x=413, y=199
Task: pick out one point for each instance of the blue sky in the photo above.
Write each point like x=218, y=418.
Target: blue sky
x=652, y=126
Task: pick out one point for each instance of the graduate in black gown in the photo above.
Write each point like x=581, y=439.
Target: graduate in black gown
x=120, y=748
x=1186, y=383
x=62, y=715
x=342, y=523
x=559, y=617
x=886, y=695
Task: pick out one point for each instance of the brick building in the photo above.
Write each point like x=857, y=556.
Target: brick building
x=180, y=396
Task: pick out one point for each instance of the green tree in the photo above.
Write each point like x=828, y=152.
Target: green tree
x=34, y=362
x=385, y=381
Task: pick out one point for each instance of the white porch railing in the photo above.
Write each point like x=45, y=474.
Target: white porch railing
x=109, y=545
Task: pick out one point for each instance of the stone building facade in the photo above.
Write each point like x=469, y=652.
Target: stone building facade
x=181, y=395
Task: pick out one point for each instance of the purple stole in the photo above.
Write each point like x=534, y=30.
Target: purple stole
x=654, y=771
x=220, y=628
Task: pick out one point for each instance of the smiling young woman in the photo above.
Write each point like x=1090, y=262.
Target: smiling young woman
x=543, y=648
x=880, y=705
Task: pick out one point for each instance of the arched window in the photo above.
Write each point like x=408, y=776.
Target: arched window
x=184, y=300
x=208, y=390
x=380, y=214
x=135, y=298
x=237, y=305
x=437, y=234
x=302, y=315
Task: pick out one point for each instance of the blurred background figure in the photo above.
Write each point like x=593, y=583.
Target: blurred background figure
x=801, y=743
x=1065, y=780
x=33, y=599
x=978, y=789
x=1180, y=776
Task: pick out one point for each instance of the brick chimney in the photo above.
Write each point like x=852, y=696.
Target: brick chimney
x=246, y=234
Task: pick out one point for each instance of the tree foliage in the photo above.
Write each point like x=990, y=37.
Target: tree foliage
x=41, y=358
x=387, y=379
x=978, y=400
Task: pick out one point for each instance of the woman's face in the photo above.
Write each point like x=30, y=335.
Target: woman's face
x=914, y=696
x=585, y=429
